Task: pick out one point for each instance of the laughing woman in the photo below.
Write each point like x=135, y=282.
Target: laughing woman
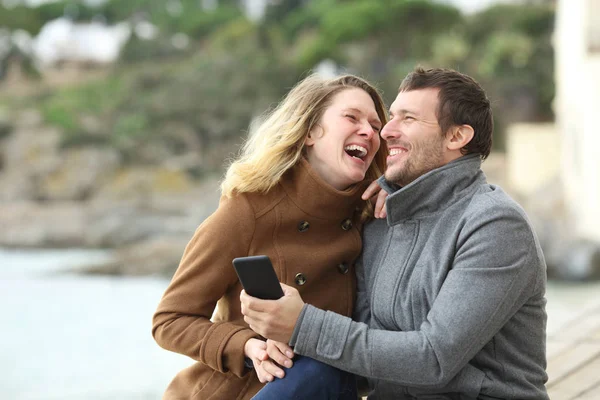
x=294, y=195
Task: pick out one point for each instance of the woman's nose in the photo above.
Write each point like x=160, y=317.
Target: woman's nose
x=367, y=131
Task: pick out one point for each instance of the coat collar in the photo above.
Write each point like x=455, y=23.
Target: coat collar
x=434, y=191
x=316, y=197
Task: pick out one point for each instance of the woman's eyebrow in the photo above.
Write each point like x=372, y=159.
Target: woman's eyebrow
x=353, y=109
x=373, y=117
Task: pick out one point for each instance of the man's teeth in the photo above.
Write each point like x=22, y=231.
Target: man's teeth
x=361, y=150
x=394, y=152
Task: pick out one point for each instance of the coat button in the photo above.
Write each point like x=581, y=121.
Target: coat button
x=303, y=226
x=343, y=268
x=347, y=224
x=300, y=279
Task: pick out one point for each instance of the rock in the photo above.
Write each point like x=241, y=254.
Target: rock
x=29, y=119
x=6, y=128
x=568, y=256
x=156, y=256
x=140, y=183
x=579, y=262
x=121, y=223
x=80, y=173
x=26, y=224
x=27, y=149
x=15, y=187
x=27, y=155
x=84, y=197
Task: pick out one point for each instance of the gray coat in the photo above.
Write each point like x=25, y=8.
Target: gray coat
x=450, y=296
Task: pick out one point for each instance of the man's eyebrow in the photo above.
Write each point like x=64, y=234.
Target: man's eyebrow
x=403, y=111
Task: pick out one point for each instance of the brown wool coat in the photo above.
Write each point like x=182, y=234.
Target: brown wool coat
x=254, y=224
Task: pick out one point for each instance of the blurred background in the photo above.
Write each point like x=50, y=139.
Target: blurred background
x=117, y=118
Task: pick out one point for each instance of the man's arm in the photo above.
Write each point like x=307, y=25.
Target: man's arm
x=495, y=265
x=362, y=309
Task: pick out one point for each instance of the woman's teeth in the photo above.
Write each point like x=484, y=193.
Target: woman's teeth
x=357, y=151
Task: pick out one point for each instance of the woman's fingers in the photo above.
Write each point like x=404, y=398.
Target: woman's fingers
x=270, y=368
x=371, y=191
x=263, y=376
x=380, y=210
x=280, y=352
x=256, y=350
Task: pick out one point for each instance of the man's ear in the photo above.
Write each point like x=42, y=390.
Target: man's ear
x=459, y=136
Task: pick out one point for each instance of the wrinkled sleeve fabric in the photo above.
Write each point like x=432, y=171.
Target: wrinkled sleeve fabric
x=493, y=274
x=181, y=322
x=362, y=309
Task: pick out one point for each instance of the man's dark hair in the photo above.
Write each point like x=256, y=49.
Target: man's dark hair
x=461, y=101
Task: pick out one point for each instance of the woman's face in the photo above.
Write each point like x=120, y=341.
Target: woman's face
x=341, y=148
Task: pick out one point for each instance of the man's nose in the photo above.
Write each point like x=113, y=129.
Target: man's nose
x=389, y=132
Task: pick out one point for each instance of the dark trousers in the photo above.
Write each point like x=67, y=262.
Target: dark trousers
x=310, y=379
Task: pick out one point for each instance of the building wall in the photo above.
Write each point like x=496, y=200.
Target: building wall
x=578, y=110
x=532, y=157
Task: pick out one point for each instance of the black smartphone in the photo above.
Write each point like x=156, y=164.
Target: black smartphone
x=258, y=277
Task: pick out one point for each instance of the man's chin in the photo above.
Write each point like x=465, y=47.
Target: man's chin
x=393, y=176
x=397, y=177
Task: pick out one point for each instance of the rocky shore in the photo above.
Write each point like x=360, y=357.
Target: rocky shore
x=87, y=197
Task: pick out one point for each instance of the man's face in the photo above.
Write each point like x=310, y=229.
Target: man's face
x=413, y=136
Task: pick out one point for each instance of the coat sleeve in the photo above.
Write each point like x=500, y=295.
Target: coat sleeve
x=495, y=270
x=362, y=309
x=181, y=322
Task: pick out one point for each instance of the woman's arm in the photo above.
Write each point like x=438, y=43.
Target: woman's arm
x=182, y=320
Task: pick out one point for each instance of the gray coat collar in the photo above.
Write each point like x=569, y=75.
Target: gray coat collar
x=434, y=191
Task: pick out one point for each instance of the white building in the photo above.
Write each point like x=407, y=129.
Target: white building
x=577, y=44
x=63, y=40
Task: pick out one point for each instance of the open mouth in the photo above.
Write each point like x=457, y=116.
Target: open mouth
x=395, y=152
x=356, y=151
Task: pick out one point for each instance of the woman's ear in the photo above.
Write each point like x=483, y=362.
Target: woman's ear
x=314, y=133
x=309, y=141
x=459, y=136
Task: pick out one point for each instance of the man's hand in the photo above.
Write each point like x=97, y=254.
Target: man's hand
x=273, y=319
x=375, y=190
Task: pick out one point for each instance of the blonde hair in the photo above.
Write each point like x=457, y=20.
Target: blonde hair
x=277, y=144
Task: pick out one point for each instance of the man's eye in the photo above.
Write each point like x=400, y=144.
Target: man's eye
x=408, y=117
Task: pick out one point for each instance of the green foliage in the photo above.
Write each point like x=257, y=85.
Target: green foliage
x=234, y=68
x=199, y=24
x=20, y=17
x=128, y=127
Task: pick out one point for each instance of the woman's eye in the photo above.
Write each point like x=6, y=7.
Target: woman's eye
x=352, y=117
x=376, y=128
